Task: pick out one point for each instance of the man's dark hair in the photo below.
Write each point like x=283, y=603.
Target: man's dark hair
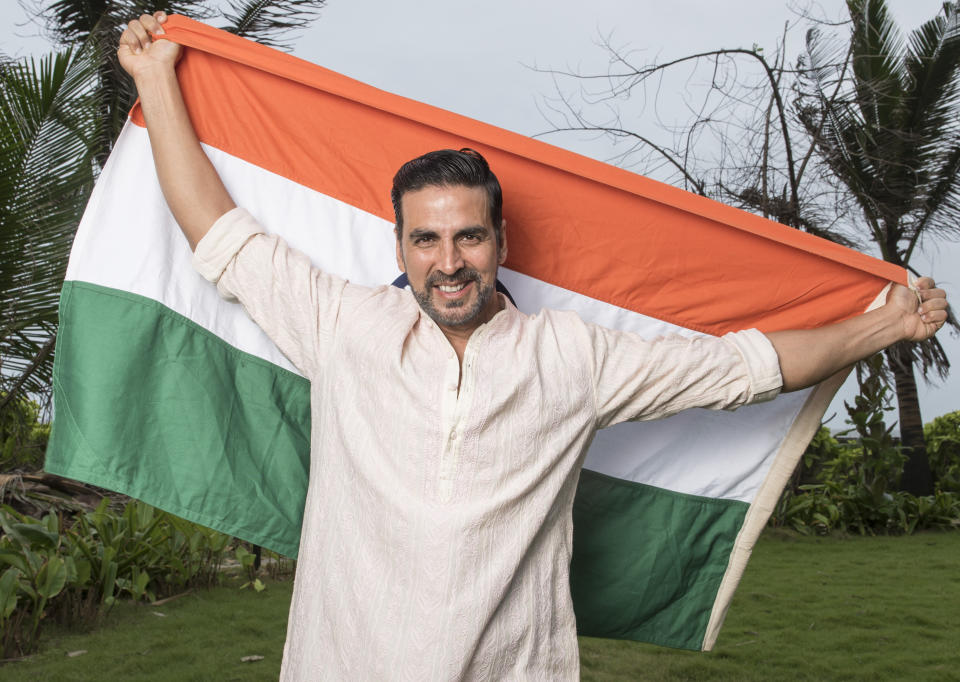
x=448, y=168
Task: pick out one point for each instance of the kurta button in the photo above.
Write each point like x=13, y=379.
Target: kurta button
x=453, y=435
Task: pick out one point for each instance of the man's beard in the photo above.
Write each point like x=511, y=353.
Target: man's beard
x=455, y=313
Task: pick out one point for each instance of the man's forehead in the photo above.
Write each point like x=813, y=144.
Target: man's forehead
x=434, y=200
x=445, y=190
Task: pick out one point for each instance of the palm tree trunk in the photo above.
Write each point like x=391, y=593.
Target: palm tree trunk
x=917, y=478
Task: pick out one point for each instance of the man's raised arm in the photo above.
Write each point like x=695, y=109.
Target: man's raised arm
x=809, y=356
x=190, y=183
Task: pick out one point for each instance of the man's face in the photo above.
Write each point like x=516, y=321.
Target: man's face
x=450, y=253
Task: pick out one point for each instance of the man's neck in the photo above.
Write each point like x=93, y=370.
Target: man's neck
x=459, y=337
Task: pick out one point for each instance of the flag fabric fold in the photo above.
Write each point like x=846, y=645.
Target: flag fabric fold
x=169, y=394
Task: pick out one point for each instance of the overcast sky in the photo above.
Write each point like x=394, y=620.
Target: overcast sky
x=475, y=57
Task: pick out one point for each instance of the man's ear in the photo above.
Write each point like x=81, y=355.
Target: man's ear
x=400, y=265
x=502, y=242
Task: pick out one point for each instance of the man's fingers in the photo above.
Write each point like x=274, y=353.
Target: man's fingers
x=152, y=23
x=924, y=283
x=932, y=294
x=933, y=310
x=139, y=32
x=932, y=301
x=934, y=305
x=139, y=38
x=128, y=41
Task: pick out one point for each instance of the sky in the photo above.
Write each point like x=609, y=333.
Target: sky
x=477, y=59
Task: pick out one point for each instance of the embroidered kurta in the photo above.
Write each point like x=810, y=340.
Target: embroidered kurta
x=437, y=530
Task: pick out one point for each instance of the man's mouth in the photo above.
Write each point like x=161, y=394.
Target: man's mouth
x=452, y=288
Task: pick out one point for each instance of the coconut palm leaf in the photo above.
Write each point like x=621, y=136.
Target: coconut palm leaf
x=933, y=60
x=878, y=72
x=267, y=20
x=71, y=21
x=48, y=112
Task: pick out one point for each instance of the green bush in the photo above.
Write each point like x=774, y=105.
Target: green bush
x=23, y=437
x=852, y=486
x=71, y=572
x=942, y=436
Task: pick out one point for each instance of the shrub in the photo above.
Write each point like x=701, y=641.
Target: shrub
x=71, y=572
x=942, y=436
x=23, y=437
x=852, y=486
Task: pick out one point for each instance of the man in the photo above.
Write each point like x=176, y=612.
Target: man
x=448, y=428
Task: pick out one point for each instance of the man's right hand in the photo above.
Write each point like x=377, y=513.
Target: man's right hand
x=139, y=53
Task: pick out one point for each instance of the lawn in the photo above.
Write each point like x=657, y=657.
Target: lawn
x=807, y=609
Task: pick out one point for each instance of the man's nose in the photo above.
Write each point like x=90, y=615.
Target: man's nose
x=451, y=259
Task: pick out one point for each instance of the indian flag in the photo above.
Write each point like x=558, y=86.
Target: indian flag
x=169, y=394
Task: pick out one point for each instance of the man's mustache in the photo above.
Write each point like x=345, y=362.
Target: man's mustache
x=460, y=276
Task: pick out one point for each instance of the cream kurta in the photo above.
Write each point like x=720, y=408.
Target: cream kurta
x=437, y=530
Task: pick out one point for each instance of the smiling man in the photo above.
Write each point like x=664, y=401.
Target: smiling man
x=450, y=205
x=448, y=428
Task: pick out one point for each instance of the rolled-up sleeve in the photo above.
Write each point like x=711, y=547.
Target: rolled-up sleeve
x=761, y=361
x=222, y=242
x=296, y=304
x=640, y=379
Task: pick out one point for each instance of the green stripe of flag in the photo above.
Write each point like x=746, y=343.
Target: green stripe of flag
x=647, y=562
x=236, y=461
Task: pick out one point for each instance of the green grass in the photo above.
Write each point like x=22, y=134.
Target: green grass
x=807, y=609
x=201, y=636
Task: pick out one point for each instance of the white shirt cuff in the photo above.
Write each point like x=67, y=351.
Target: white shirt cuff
x=222, y=242
x=763, y=364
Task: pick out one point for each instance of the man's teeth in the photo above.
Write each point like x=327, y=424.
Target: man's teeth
x=451, y=288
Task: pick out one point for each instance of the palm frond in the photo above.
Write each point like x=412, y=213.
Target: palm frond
x=823, y=61
x=71, y=21
x=876, y=46
x=931, y=63
x=937, y=207
x=928, y=355
x=828, y=111
x=267, y=20
x=48, y=114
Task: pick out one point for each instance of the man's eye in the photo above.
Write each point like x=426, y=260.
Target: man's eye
x=422, y=240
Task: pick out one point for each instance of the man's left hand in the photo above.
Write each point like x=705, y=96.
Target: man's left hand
x=924, y=308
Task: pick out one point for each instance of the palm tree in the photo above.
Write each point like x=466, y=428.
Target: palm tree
x=59, y=116
x=892, y=142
